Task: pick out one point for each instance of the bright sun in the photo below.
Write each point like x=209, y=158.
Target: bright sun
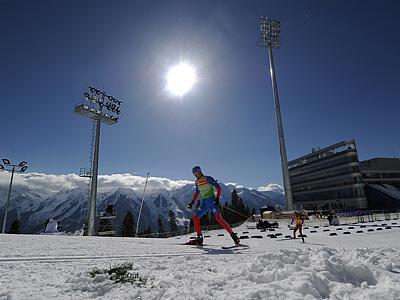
x=181, y=79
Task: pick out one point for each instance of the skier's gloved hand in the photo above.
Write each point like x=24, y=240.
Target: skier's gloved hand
x=190, y=205
x=216, y=201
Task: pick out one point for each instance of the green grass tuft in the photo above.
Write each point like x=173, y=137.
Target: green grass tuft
x=119, y=273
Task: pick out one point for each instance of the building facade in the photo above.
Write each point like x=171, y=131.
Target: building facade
x=381, y=171
x=382, y=179
x=328, y=178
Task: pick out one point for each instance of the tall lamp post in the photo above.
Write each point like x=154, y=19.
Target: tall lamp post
x=21, y=168
x=92, y=107
x=141, y=205
x=270, y=30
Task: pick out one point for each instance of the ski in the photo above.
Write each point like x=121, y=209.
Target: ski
x=286, y=239
x=289, y=239
x=189, y=244
x=236, y=246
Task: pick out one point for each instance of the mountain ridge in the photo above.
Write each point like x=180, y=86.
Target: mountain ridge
x=34, y=205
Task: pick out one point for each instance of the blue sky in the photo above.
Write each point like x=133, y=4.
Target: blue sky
x=337, y=73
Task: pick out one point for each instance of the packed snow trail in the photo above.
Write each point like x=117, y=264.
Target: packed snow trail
x=325, y=267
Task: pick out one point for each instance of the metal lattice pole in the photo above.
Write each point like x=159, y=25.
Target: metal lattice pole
x=92, y=107
x=270, y=30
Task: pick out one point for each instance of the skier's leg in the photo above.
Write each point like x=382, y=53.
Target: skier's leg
x=196, y=221
x=222, y=221
x=225, y=224
x=301, y=232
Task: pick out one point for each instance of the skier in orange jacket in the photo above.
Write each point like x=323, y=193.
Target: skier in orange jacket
x=299, y=225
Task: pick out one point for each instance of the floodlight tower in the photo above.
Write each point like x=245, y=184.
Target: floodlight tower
x=92, y=107
x=22, y=168
x=270, y=30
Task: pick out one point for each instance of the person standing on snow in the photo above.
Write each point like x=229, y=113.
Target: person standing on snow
x=299, y=225
x=205, y=187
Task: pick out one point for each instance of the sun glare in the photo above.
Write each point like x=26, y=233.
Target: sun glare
x=180, y=79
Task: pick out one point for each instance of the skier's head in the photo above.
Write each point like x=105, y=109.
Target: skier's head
x=197, y=172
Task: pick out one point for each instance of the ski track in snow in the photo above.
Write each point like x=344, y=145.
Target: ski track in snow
x=355, y=266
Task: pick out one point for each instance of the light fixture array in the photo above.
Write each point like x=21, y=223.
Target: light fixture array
x=8, y=163
x=270, y=31
x=95, y=101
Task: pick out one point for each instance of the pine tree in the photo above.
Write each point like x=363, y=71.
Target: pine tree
x=172, y=223
x=226, y=213
x=235, y=200
x=128, y=225
x=235, y=207
x=161, y=229
x=247, y=211
x=241, y=209
x=15, y=227
x=147, y=233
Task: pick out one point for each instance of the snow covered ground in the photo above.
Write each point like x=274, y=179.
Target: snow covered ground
x=348, y=265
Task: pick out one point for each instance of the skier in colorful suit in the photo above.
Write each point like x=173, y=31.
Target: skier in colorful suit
x=205, y=187
x=299, y=225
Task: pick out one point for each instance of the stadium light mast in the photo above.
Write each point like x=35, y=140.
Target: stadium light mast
x=270, y=31
x=22, y=168
x=92, y=107
x=141, y=205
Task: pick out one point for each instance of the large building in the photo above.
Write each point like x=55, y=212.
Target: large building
x=381, y=171
x=382, y=179
x=328, y=178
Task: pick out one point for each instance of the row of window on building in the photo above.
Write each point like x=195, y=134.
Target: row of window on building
x=334, y=178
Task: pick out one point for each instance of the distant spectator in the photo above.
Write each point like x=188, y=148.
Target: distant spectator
x=330, y=218
x=110, y=209
x=299, y=225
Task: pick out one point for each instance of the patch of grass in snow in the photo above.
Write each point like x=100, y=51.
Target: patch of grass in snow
x=120, y=273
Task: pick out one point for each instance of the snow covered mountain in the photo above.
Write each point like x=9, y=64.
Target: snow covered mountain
x=34, y=205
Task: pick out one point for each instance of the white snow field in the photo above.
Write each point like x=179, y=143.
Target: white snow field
x=348, y=265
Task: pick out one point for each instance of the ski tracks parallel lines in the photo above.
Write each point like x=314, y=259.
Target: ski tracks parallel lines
x=65, y=259
x=90, y=257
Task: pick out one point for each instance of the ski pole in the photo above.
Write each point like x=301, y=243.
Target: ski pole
x=235, y=211
x=141, y=205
